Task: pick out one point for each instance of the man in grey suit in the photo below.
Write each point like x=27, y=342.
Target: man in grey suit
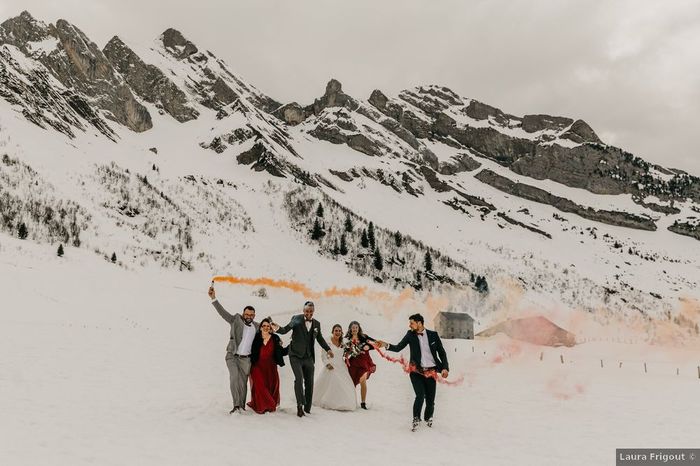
x=305, y=329
x=243, y=330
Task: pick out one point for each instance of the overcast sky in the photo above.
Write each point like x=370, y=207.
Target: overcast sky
x=630, y=68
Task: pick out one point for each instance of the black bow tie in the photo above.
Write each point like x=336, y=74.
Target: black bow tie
x=419, y=333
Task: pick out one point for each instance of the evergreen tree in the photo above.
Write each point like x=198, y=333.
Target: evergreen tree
x=317, y=232
x=22, y=231
x=336, y=248
x=348, y=224
x=114, y=257
x=343, y=246
x=319, y=210
x=398, y=239
x=364, y=241
x=370, y=235
x=481, y=284
x=378, y=261
x=60, y=250
x=428, y=262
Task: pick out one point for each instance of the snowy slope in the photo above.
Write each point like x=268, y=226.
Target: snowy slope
x=136, y=371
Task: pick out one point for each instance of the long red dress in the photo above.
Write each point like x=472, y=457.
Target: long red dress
x=265, y=381
x=360, y=364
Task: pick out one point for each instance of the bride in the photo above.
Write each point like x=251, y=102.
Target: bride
x=334, y=388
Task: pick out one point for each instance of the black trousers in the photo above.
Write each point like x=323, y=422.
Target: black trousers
x=303, y=369
x=424, y=388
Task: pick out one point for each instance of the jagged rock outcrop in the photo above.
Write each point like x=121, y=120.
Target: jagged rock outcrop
x=79, y=65
x=334, y=97
x=148, y=81
x=622, y=219
x=688, y=228
x=581, y=132
x=291, y=113
x=175, y=43
x=206, y=77
x=458, y=164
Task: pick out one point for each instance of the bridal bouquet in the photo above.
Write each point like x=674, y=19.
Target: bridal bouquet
x=353, y=349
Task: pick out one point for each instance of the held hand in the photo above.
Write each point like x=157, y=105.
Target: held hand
x=330, y=353
x=329, y=366
x=380, y=344
x=274, y=326
x=212, y=293
x=444, y=373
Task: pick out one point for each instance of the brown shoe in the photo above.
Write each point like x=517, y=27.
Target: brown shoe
x=300, y=411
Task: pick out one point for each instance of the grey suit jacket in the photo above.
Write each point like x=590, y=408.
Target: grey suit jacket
x=237, y=324
x=302, y=344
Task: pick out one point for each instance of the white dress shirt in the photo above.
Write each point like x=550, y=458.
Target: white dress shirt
x=426, y=357
x=308, y=325
x=246, y=340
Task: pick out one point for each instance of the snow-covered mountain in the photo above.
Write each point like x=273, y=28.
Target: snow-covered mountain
x=131, y=175
x=160, y=154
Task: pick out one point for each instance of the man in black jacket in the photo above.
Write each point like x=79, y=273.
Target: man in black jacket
x=305, y=329
x=427, y=359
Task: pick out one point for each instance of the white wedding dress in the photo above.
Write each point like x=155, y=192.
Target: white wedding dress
x=333, y=388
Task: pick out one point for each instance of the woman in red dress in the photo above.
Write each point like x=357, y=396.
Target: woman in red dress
x=360, y=364
x=266, y=354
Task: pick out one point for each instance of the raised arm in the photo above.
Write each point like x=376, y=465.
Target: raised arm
x=222, y=312
x=219, y=308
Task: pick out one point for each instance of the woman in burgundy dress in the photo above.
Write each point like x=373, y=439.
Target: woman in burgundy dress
x=360, y=364
x=266, y=354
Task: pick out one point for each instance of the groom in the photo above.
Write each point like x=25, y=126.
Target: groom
x=427, y=359
x=305, y=329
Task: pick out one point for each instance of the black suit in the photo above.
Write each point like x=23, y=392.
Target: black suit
x=424, y=387
x=302, y=356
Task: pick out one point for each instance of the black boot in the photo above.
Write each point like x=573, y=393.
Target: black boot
x=234, y=410
x=415, y=424
x=363, y=405
x=300, y=411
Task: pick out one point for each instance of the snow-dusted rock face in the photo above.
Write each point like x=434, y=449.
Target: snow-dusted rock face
x=149, y=82
x=536, y=200
x=203, y=74
x=79, y=65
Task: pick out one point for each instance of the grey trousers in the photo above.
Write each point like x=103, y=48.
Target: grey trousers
x=303, y=369
x=238, y=371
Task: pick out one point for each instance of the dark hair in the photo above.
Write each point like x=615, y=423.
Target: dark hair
x=309, y=303
x=341, y=332
x=360, y=333
x=249, y=308
x=417, y=318
x=266, y=320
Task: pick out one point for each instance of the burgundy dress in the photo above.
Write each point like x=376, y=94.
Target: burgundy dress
x=360, y=364
x=265, y=380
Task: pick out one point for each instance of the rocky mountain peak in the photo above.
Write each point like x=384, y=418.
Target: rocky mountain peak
x=21, y=30
x=177, y=45
x=148, y=81
x=334, y=97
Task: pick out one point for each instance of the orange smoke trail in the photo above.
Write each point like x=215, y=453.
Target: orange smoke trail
x=297, y=287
